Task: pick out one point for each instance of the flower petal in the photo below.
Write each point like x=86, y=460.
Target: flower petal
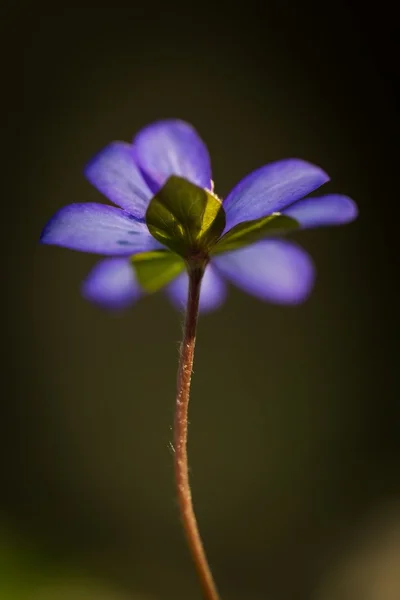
x=213, y=291
x=112, y=284
x=172, y=147
x=270, y=189
x=273, y=270
x=99, y=229
x=332, y=209
x=114, y=173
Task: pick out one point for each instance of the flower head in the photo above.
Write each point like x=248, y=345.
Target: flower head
x=168, y=217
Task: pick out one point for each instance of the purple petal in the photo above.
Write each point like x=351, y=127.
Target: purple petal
x=99, y=229
x=213, y=291
x=270, y=189
x=114, y=173
x=273, y=270
x=172, y=147
x=332, y=209
x=112, y=284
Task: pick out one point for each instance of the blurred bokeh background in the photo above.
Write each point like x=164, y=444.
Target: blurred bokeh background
x=295, y=419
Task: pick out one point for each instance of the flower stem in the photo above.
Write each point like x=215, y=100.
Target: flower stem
x=188, y=516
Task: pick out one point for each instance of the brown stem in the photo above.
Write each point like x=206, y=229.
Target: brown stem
x=180, y=439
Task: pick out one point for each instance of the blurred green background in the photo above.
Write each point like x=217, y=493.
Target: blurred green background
x=294, y=435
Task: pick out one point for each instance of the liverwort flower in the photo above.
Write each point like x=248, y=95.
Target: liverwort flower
x=168, y=213
x=172, y=231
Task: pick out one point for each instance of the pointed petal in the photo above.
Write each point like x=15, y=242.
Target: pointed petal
x=99, y=229
x=112, y=284
x=114, y=173
x=270, y=189
x=213, y=291
x=332, y=209
x=273, y=270
x=172, y=147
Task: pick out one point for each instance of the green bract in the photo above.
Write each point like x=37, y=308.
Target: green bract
x=185, y=218
x=189, y=221
x=157, y=268
x=249, y=232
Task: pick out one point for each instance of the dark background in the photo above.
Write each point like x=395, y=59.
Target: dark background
x=295, y=419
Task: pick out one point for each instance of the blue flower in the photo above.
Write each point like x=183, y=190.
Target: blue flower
x=130, y=175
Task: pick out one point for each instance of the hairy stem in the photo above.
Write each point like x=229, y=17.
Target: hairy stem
x=180, y=439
